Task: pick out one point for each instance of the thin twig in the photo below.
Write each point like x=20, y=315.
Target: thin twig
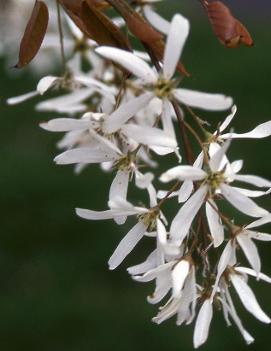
x=61, y=36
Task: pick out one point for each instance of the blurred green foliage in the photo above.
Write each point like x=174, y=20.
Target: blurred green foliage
x=56, y=293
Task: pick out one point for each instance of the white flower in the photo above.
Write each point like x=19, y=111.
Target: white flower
x=161, y=84
x=214, y=181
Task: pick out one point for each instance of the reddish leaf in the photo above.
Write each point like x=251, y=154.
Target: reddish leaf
x=34, y=34
x=229, y=31
x=101, y=28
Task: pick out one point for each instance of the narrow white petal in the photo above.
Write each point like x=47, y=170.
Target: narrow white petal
x=178, y=33
x=162, y=287
x=161, y=232
x=205, y=101
x=259, y=222
x=154, y=273
x=143, y=181
x=253, y=273
x=248, y=298
x=85, y=155
x=215, y=223
x=167, y=311
x=183, y=173
x=119, y=185
x=145, y=266
x=250, y=250
x=129, y=61
x=184, y=218
x=224, y=261
x=46, y=83
x=241, y=202
x=126, y=111
x=254, y=180
x=119, y=188
x=127, y=244
x=250, y=193
x=259, y=236
x=185, y=191
x=94, y=215
x=179, y=274
x=216, y=161
x=149, y=136
x=65, y=125
x=156, y=20
x=166, y=118
x=231, y=310
x=228, y=120
x=203, y=322
x=66, y=102
x=21, y=98
x=261, y=131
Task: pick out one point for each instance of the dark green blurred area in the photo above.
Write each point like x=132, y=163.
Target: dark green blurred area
x=56, y=292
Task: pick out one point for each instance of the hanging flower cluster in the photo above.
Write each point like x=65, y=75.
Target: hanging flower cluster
x=125, y=110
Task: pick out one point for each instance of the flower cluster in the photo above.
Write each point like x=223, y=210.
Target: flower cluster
x=125, y=110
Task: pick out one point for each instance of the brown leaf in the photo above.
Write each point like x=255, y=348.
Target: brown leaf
x=101, y=28
x=34, y=34
x=74, y=6
x=229, y=31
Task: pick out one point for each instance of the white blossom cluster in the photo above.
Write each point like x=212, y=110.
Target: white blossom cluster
x=124, y=112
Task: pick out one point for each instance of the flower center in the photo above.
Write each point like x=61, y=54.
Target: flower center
x=164, y=87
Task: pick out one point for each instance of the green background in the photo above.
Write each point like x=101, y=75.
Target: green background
x=56, y=292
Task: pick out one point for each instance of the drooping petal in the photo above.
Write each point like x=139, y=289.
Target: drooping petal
x=231, y=310
x=184, y=218
x=203, y=322
x=183, y=173
x=46, y=83
x=179, y=274
x=225, y=260
x=126, y=111
x=215, y=223
x=166, y=118
x=148, y=264
x=205, y=101
x=129, y=61
x=119, y=188
x=248, y=298
x=127, y=244
x=176, y=39
x=161, y=232
x=250, y=250
x=241, y=202
x=154, y=273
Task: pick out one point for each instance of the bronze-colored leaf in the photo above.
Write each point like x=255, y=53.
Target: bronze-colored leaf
x=229, y=31
x=101, y=28
x=34, y=34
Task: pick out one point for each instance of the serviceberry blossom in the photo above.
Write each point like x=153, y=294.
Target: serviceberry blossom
x=126, y=111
